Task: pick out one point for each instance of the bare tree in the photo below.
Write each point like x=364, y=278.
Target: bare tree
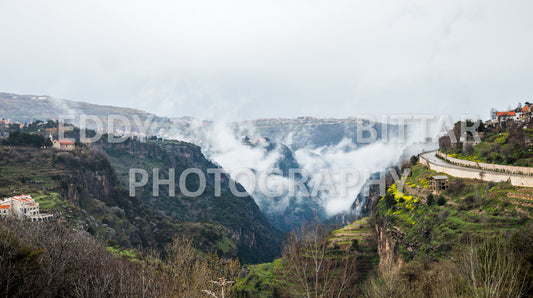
x=192, y=275
x=388, y=282
x=493, y=270
x=223, y=283
x=51, y=259
x=312, y=269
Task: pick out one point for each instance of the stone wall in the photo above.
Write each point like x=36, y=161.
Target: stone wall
x=522, y=196
x=514, y=179
x=487, y=166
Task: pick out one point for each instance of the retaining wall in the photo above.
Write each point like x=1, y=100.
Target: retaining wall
x=487, y=166
x=516, y=180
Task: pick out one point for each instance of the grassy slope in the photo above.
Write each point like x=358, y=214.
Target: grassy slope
x=38, y=178
x=358, y=236
x=501, y=146
x=472, y=210
x=265, y=280
x=36, y=172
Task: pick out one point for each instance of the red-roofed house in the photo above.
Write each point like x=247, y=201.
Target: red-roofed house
x=525, y=113
x=22, y=207
x=509, y=113
x=504, y=116
x=63, y=145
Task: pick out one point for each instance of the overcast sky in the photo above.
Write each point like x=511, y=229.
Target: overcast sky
x=252, y=59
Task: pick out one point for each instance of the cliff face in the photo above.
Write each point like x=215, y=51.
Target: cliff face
x=257, y=240
x=414, y=222
x=82, y=187
x=88, y=182
x=388, y=240
x=287, y=212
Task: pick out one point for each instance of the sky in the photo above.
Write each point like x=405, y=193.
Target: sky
x=246, y=59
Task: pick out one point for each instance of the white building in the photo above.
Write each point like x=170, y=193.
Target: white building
x=22, y=207
x=62, y=144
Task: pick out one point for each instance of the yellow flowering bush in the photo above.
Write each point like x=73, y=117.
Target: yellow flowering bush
x=403, y=201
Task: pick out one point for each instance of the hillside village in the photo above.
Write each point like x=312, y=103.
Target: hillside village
x=519, y=114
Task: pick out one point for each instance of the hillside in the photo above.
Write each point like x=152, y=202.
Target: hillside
x=509, y=144
x=303, y=131
x=415, y=240
x=53, y=259
x=435, y=225
x=256, y=238
x=83, y=187
x=28, y=108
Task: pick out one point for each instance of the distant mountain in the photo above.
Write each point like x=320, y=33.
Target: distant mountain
x=310, y=131
x=295, y=133
x=299, y=143
x=27, y=108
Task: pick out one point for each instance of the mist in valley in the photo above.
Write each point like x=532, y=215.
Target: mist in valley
x=296, y=172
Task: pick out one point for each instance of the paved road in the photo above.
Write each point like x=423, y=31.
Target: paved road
x=432, y=157
x=469, y=173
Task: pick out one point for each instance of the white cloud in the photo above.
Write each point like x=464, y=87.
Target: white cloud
x=223, y=144
x=271, y=58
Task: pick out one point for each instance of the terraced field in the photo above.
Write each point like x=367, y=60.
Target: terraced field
x=359, y=237
x=41, y=178
x=524, y=199
x=359, y=230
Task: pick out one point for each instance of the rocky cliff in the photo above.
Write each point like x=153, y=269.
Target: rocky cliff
x=256, y=239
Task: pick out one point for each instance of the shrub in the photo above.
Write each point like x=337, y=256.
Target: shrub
x=413, y=160
x=456, y=186
x=17, y=138
x=472, y=202
x=443, y=215
x=430, y=200
x=441, y=200
x=355, y=244
x=389, y=200
x=466, y=237
x=444, y=247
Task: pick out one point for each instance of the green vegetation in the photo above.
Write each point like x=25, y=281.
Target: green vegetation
x=18, y=138
x=346, y=257
x=241, y=216
x=79, y=186
x=88, y=186
x=129, y=254
x=467, y=211
x=54, y=260
x=31, y=171
x=262, y=280
x=461, y=239
x=509, y=145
